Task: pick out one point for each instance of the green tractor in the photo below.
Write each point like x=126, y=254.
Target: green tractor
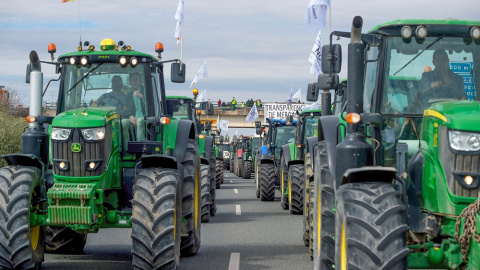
x=244, y=156
x=184, y=107
x=219, y=158
x=396, y=187
x=110, y=158
x=271, y=171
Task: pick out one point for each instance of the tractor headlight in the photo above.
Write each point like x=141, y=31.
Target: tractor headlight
x=61, y=134
x=93, y=134
x=464, y=141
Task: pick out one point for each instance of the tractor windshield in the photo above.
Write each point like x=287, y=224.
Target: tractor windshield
x=184, y=110
x=419, y=72
x=284, y=135
x=256, y=143
x=104, y=85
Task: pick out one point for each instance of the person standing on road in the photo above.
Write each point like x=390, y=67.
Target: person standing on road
x=219, y=103
x=234, y=103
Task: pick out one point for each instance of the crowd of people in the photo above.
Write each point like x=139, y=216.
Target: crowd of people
x=234, y=103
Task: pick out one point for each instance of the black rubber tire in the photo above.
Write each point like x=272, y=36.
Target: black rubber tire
x=240, y=167
x=296, y=179
x=156, y=219
x=267, y=182
x=323, y=245
x=370, y=224
x=307, y=199
x=283, y=183
x=64, y=240
x=206, y=196
x=21, y=247
x=231, y=165
x=213, y=182
x=235, y=167
x=218, y=172
x=222, y=171
x=191, y=197
x=247, y=169
x=257, y=179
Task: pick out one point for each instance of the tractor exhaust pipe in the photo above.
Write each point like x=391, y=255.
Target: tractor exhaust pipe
x=36, y=86
x=354, y=151
x=356, y=68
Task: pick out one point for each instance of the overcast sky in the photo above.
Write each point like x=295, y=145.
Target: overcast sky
x=254, y=48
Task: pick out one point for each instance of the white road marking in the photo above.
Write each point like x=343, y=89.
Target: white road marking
x=235, y=190
x=231, y=182
x=238, y=210
x=234, y=261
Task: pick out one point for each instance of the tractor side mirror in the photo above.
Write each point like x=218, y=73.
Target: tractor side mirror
x=258, y=127
x=172, y=106
x=210, y=110
x=312, y=92
x=177, y=74
x=327, y=81
x=208, y=125
x=331, y=60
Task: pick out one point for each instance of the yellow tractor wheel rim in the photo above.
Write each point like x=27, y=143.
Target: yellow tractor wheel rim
x=289, y=189
x=35, y=236
x=344, y=249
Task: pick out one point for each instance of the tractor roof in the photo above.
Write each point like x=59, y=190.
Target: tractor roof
x=315, y=112
x=444, y=26
x=179, y=97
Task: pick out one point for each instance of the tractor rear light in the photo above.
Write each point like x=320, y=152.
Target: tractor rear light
x=475, y=32
x=406, y=32
x=353, y=118
x=72, y=60
x=201, y=136
x=164, y=120
x=421, y=31
x=31, y=119
x=84, y=60
x=468, y=180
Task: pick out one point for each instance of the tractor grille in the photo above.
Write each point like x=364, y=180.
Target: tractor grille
x=452, y=161
x=77, y=167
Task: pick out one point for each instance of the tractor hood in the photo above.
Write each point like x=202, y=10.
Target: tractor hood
x=458, y=115
x=84, y=117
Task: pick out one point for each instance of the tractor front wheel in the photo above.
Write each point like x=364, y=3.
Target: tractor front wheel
x=267, y=182
x=22, y=246
x=370, y=227
x=156, y=219
x=206, y=196
x=295, y=188
x=247, y=169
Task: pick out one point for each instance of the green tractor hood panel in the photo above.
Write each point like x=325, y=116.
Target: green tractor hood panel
x=85, y=117
x=457, y=115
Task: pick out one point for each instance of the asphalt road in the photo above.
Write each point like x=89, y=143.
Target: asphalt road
x=245, y=234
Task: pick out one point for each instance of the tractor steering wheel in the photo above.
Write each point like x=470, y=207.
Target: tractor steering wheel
x=113, y=101
x=440, y=92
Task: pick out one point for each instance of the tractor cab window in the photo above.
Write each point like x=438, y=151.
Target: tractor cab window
x=106, y=85
x=420, y=72
x=184, y=110
x=284, y=135
x=256, y=143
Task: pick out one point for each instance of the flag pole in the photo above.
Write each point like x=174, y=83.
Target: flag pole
x=181, y=48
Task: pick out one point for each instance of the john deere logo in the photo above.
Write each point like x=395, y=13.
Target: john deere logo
x=76, y=147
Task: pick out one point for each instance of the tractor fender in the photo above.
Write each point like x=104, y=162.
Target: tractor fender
x=328, y=125
x=204, y=161
x=286, y=153
x=155, y=161
x=264, y=159
x=24, y=160
x=311, y=142
x=368, y=174
x=185, y=131
x=208, y=146
x=296, y=161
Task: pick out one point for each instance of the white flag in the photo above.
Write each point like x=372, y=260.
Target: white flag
x=297, y=96
x=202, y=73
x=315, y=57
x=224, y=125
x=314, y=106
x=179, y=18
x=316, y=15
x=252, y=115
x=290, y=97
x=202, y=97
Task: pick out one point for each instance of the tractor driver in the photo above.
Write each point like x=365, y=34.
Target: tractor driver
x=116, y=98
x=137, y=116
x=441, y=82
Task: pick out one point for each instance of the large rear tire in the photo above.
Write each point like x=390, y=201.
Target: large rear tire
x=213, y=182
x=370, y=228
x=206, y=196
x=267, y=182
x=323, y=231
x=191, y=197
x=218, y=172
x=257, y=178
x=283, y=184
x=247, y=169
x=156, y=219
x=295, y=188
x=21, y=246
x=64, y=241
